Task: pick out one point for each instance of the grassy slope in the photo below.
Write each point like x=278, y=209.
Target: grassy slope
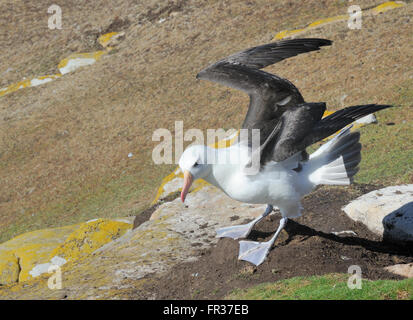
x=50, y=178
x=388, y=147
x=328, y=287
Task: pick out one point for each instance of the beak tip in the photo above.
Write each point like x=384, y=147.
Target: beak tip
x=187, y=185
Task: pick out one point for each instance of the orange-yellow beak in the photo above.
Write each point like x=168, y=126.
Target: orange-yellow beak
x=187, y=184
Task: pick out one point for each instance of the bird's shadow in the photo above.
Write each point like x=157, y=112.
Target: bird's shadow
x=294, y=228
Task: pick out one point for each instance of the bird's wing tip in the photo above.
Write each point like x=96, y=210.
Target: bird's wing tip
x=324, y=42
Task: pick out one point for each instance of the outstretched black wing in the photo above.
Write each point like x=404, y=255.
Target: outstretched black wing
x=301, y=126
x=270, y=95
x=339, y=119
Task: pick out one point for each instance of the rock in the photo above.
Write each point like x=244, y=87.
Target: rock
x=175, y=233
x=21, y=254
x=77, y=60
x=398, y=225
x=31, y=254
x=387, y=212
x=89, y=237
x=45, y=267
x=9, y=268
x=112, y=39
x=404, y=270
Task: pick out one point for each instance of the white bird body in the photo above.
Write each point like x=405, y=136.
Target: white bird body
x=277, y=183
x=287, y=125
x=274, y=184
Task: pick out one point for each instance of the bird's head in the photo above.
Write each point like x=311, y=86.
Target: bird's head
x=194, y=165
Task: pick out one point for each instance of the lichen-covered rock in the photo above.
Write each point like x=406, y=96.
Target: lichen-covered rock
x=175, y=233
x=20, y=254
x=89, y=237
x=32, y=253
x=388, y=212
x=389, y=5
x=9, y=267
x=112, y=39
x=77, y=60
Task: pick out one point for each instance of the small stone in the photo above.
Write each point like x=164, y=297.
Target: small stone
x=404, y=270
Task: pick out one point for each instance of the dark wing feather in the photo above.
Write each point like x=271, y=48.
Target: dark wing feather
x=339, y=119
x=303, y=126
x=296, y=123
x=261, y=56
x=270, y=95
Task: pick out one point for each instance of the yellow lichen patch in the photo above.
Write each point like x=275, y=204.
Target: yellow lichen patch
x=199, y=184
x=66, y=65
x=328, y=20
x=78, y=60
x=89, y=237
x=9, y=267
x=387, y=6
x=43, y=79
x=28, y=83
x=165, y=180
x=29, y=256
x=23, y=252
x=286, y=33
x=105, y=38
x=14, y=87
x=379, y=9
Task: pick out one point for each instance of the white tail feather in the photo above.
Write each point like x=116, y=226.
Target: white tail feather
x=336, y=161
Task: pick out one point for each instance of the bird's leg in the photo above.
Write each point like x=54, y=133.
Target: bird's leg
x=255, y=252
x=242, y=231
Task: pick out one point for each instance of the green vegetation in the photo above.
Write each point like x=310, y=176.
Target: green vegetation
x=388, y=146
x=328, y=287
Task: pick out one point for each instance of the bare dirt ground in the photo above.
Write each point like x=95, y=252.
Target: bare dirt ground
x=307, y=247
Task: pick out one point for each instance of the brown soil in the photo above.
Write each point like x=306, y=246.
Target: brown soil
x=146, y=214
x=307, y=247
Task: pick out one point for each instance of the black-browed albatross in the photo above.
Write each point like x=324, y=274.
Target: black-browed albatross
x=287, y=126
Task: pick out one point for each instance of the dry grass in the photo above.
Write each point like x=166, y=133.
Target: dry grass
x=64, y=145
